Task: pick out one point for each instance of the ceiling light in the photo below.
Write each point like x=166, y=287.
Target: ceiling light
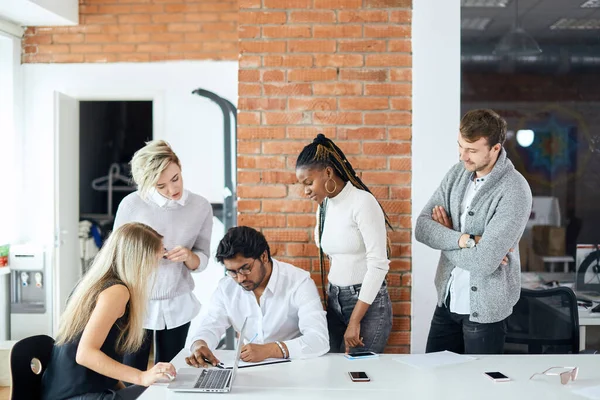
x=591, y=4
x=484, y=3
x=525, y=137
x=517, y=42
x=475, y=24
x=574, y=24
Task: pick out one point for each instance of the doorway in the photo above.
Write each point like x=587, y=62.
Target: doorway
x=110, y=132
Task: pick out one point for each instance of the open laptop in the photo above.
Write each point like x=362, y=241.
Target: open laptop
x=208, y=380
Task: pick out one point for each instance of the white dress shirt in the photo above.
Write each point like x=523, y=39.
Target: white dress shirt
x=172, y=313
x=459, y=285
x=290, y=311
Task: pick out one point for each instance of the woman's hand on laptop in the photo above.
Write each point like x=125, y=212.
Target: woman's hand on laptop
x=159, y=371
x=201, y=356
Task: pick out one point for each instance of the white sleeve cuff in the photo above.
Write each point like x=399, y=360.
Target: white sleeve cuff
x=203, y=261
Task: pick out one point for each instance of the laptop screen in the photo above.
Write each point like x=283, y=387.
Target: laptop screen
x=238, y=350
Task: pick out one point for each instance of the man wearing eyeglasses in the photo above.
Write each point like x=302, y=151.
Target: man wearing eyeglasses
x=282, y=304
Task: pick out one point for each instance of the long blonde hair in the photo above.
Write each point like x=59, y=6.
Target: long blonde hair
x=149, y=162
x=129, y=256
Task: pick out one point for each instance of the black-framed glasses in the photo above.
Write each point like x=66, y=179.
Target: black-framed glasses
x=245, y=270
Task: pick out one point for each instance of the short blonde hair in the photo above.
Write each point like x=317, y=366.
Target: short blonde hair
x=149, y=162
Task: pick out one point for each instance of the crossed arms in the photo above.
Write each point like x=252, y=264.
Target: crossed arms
x=502, y=231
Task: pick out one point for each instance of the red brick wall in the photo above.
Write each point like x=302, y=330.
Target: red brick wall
x=138, y=31
x=341, y=67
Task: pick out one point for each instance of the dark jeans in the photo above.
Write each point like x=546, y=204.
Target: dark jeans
x=168, y=342
x=375, y=326
x=454, y=332
x=129, y=393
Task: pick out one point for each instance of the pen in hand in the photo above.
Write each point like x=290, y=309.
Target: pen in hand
x=252, y=340
x=222, y=366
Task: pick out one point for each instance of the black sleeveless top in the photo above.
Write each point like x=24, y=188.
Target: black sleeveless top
x=64, y=378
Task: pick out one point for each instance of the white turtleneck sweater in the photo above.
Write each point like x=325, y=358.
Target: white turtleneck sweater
x=355, y=239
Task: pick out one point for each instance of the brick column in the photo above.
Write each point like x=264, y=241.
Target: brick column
x=343, y=68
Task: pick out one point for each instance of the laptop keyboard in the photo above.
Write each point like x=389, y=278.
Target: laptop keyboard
x=213, y=379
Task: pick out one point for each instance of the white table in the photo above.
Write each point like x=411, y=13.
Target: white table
x=552, y=260
x=326, y=377
x=586, y=318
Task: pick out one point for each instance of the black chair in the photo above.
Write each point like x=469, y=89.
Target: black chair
x=29, y=355
x=544, y=322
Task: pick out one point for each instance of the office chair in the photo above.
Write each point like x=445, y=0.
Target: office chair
x=29, y=355
x=544, y=322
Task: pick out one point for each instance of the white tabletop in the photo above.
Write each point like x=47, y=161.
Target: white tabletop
x=558, y=259
x=326, y=377
x=586, y=317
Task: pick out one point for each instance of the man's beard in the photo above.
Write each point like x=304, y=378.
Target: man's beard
x=477, y=167
x=255, y=284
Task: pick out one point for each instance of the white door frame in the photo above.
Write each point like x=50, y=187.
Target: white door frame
x=157, y=97
x=158, y=123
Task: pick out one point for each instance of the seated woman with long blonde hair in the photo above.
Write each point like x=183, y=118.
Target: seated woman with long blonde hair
x=103, y=321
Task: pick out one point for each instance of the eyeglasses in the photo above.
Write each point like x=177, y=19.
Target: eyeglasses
x=245, y=270
x=571, y=374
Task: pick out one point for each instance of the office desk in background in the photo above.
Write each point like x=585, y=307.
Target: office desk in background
x=326, y=377
x=554, y=260
x=586, y=318
x=532, y=280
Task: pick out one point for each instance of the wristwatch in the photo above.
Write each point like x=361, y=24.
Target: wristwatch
x=470, y=243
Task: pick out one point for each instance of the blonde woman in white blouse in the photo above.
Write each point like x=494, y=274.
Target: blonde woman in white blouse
x=184, y=219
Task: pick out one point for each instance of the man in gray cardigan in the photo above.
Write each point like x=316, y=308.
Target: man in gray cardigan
x=476, y=218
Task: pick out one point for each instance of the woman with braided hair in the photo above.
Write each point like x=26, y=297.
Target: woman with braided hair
x=351, y=230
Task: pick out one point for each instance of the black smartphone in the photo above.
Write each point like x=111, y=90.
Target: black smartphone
x=359, y=376
x=361, y=354
x=497, y=376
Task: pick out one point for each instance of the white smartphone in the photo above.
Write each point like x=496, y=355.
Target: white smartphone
x=361, y=354
x=497, y=376
x=359, y=376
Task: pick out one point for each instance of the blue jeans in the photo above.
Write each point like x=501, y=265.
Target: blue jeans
x=375, y=326
x=454, y=332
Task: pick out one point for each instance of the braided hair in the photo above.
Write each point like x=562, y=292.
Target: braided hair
x=323, y=153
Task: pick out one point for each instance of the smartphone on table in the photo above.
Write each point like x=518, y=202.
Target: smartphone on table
x=359, y=376
x=361, y=354
x=497, y=376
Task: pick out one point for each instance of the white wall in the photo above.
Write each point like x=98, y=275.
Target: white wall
x=436, y=113
x=193, y=126
x=10, y=101
x=190, y=123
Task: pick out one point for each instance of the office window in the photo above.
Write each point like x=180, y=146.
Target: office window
x=536, y=63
